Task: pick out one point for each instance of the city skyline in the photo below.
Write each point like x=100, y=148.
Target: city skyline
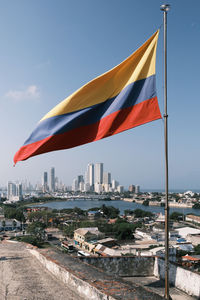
x=94, y=174
x=52, y=59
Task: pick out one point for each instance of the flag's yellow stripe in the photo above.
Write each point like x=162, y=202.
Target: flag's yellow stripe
x=139, y=65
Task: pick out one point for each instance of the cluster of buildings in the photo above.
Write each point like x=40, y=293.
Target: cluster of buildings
x=148, y=240
x=51, y=184
x=96, y=180
x=182, y=200
x=17, y=190
x=14, y=192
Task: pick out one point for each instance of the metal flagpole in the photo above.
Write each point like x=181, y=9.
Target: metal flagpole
x=165, y=8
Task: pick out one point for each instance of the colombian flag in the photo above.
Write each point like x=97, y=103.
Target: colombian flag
x=120, y=99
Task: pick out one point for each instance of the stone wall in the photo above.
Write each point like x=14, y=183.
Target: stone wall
x=90, y=282
x=84, y=289
x=123, y=266
x=180, y=277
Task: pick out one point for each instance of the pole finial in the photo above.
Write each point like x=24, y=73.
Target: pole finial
x=165, y=7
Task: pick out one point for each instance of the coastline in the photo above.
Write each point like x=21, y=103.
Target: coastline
x=157, y=203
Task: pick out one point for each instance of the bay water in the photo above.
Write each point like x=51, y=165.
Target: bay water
x=86, y=204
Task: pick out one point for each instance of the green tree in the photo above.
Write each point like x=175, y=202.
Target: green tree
x=145, y=202
x=197, y=249
x=176, y=216
x=139, y=213
x=196, y=206
x=37, y=230
x=12, y=212
x=124, y=232
x=110, y=211
x=29, y=239
x=128, y=212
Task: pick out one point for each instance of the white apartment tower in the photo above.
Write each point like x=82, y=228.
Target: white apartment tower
x=106, y=178
x=14, y=192
x=99, y=173
x=52, y=179
x=115, y=184
x=45, y=182
x=137, y=189
x=19, y=190
x=91, y=174
x=75, y=185
x=11, y=190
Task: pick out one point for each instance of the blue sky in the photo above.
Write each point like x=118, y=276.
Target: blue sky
x=50, y=48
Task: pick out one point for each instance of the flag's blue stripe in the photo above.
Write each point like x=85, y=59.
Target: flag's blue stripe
x=133, y=94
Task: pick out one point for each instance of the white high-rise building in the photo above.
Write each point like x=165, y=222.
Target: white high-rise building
x=137, y=189
x=115, y=184
x=75, y=185
x=106, y=178
x=19, y=191
x=87, y=187
x=81, y=186
x=91, y=174
x=120, y=188
x=99, y=173
x=45, y=182
x=98, y=188
x=14, y=192
x=52, y=179
x=80, y=179
x=11, y=192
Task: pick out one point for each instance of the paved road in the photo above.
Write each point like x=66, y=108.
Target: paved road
x=22, y=277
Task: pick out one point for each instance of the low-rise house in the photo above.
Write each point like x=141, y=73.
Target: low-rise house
x=158, y=236
x=185, y=247
x=108, y=242
x=9, y=224
x=159, y=251
x=184, y=231
x=193, y=218
x=143, y=233
x=104, y=251
x=94, y=214
x=191, y=261
x=112, y=221
x=86, y=238
x=194, y=238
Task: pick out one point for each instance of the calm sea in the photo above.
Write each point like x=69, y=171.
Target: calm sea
x=85, y=204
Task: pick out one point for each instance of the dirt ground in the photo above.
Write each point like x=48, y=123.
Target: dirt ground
x=22, y=277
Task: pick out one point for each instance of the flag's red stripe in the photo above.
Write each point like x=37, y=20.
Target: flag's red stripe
x=116, y=122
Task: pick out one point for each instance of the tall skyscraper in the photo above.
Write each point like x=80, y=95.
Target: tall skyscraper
x=137, y=189
x=19, y=191
x=80, y=179
x=91, y=174
x=106, y=178
x=115, y=184
x=75, y=185
x=45, y=182
x=131, y=188
x=52, y=179
x=14, y=192
x=11, y=191
x=99, y=173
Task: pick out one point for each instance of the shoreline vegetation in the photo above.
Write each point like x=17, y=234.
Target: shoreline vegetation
x=145, y=199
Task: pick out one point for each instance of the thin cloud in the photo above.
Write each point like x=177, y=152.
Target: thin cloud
x=30, y=93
